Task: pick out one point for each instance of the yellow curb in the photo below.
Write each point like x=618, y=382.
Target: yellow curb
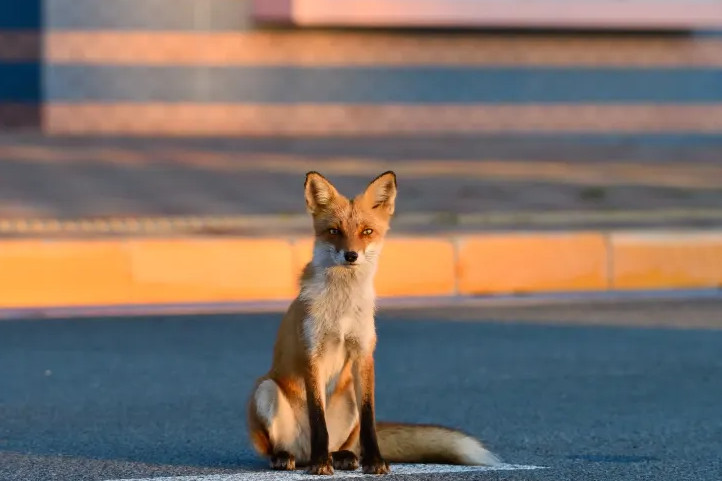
x=69, y=273
x=667, y=260
x=416, y=267
x=210, y=270
x=36, y=273
x=78, y=272
x=516, y=263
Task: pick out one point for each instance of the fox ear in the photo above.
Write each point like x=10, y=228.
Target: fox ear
x=319, y=192
x=381, y=192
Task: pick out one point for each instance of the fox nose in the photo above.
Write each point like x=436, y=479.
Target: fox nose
x=350, y=256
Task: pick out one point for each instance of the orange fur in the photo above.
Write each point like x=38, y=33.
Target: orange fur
x=318, y=396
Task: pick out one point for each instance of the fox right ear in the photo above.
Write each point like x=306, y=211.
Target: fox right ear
x=319, y=192
x=381, y=192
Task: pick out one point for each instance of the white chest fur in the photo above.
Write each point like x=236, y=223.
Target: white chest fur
x=340, y=323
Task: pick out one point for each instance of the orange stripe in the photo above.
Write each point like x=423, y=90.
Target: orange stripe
x=348, y=48
x=312, y=120
x=20, y=46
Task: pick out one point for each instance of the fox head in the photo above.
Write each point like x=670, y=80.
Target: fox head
x=349, y=232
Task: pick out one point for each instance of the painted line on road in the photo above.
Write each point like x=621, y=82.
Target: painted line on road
x=404, y=469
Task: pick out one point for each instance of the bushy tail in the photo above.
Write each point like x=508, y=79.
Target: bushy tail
x=417, y=443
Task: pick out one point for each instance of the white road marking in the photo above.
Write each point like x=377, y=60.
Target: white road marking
x=269, y=475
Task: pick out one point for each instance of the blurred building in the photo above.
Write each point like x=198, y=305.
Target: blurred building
x=328, y=67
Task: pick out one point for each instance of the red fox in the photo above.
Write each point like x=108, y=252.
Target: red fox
x=315, y=406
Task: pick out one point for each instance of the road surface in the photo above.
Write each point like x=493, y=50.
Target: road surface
x=584, y=391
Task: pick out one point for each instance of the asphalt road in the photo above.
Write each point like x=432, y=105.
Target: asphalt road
x=112, y=398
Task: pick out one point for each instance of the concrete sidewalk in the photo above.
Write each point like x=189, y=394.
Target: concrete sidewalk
x=111, y=222
x=254, y=187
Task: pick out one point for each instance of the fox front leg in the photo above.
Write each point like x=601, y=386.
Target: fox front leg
x=321, y=461
x=364, y=378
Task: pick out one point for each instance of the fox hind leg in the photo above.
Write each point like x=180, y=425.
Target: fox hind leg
x=286, y=432
x=344, y=427
x=282, y=433
x=345, y=460
x=283, y=461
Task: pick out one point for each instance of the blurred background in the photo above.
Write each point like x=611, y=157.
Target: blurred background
x=152, y=160
x=201, y=117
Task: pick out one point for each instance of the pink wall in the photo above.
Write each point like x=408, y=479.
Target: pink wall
x=633, y=14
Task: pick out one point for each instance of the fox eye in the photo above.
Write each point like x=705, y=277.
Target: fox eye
x=367, y=231
x=334, y=231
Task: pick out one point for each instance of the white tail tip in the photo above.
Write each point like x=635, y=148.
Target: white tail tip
x=472, y=452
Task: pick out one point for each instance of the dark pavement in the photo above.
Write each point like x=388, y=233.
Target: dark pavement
x=98, y=399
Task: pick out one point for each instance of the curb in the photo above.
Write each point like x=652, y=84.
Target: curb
x=132, y=271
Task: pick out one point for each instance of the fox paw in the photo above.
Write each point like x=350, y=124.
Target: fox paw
x=283, y=461
x=321, y=467
x=345, y=460
x=375, y=466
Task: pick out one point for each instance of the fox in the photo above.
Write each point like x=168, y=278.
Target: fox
x=315, y=407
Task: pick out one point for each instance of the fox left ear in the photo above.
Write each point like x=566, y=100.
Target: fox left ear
x=381, y=192
x=319, y=192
